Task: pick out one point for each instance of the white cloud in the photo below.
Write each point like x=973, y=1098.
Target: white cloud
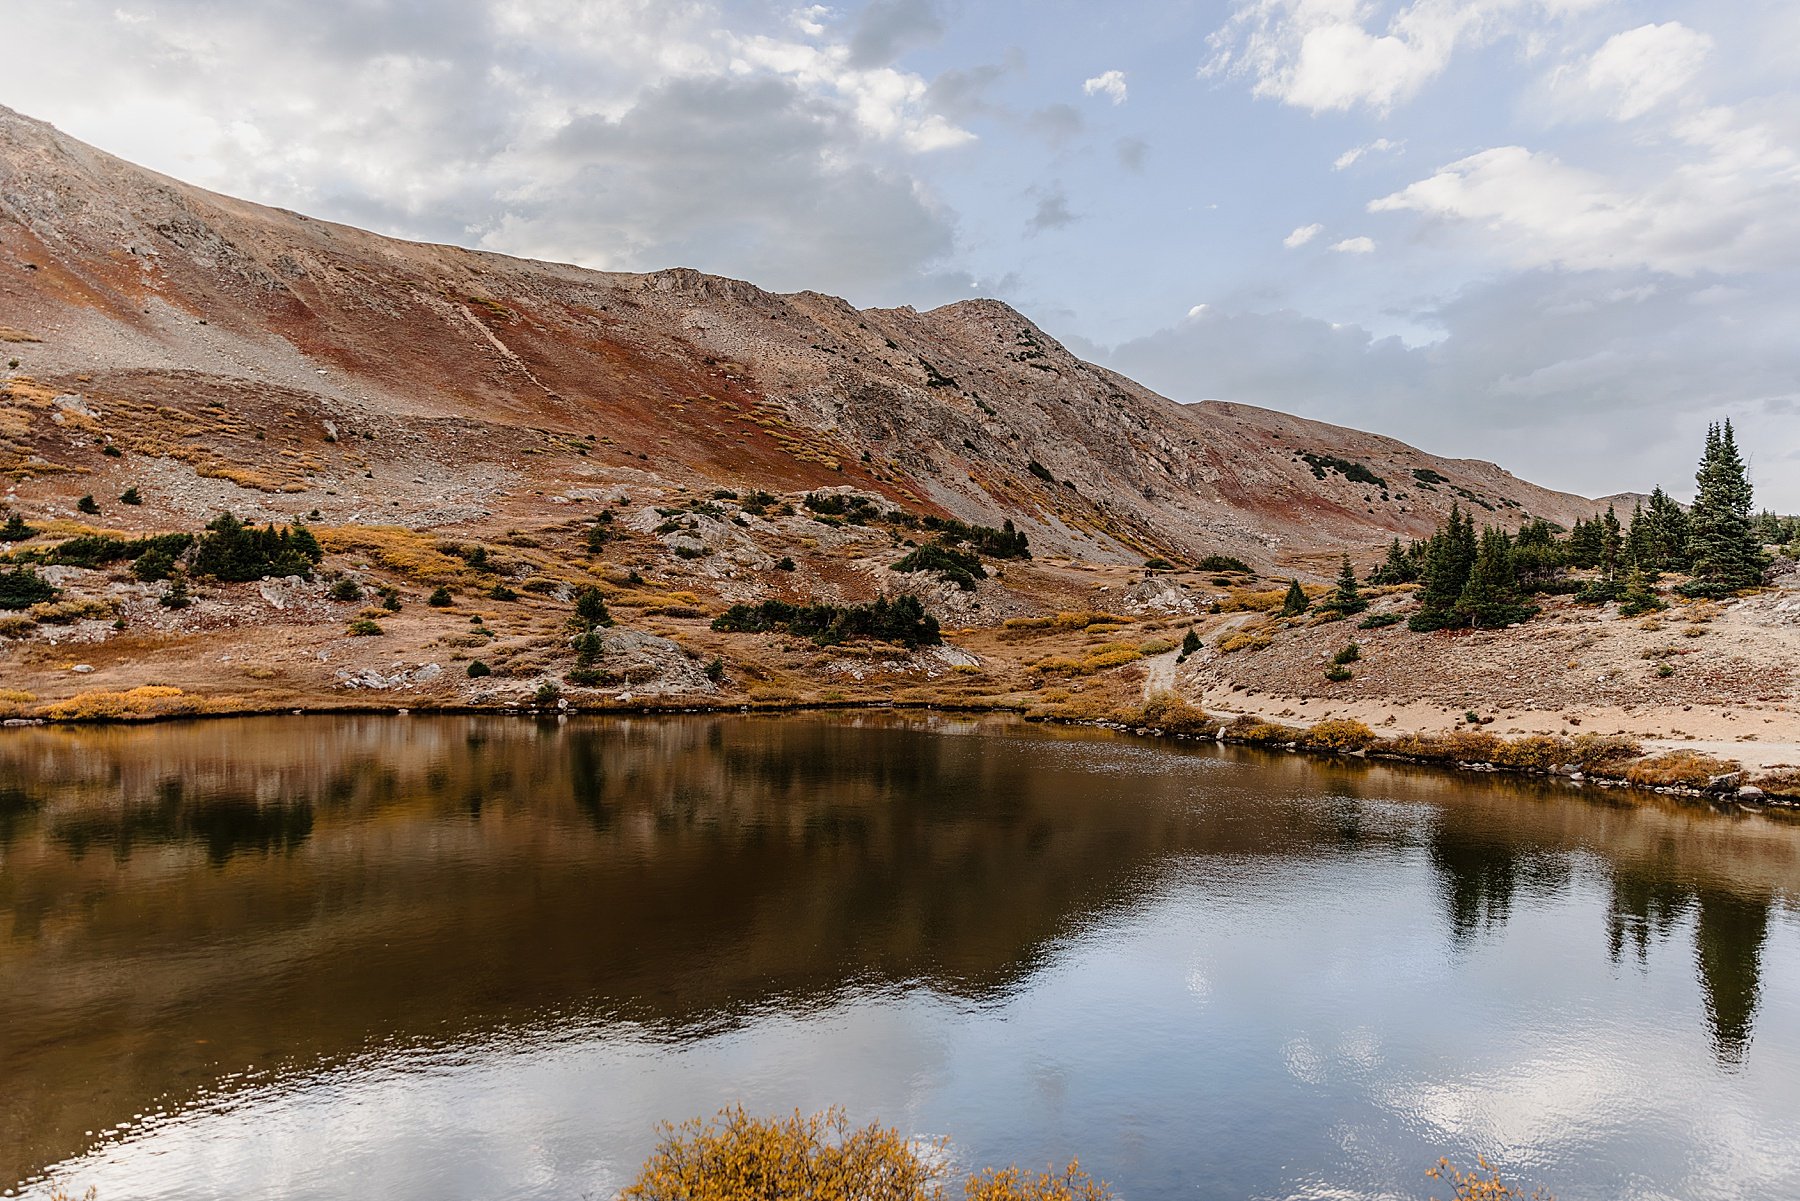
x=1639, y=69
x=1355, y=246
x=1378, y=146
x=1320, y=54
x=1302, y=236
x=1730, y=209
x=1110, y=84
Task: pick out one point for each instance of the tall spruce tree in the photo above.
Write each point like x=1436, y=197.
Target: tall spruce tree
x=1345, y=598
x=1667, y=535
x=1722, y=537
x=1490, y=599
x=1612, y=542
x=1449, y=558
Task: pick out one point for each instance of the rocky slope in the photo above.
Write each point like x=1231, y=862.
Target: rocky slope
x=443, y=418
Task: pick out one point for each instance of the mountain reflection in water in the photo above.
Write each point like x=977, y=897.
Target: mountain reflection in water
x=181, y=902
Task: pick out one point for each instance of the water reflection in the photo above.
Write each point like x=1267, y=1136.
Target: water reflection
x=182, y=902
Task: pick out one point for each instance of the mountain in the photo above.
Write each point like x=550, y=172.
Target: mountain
x=232, y=338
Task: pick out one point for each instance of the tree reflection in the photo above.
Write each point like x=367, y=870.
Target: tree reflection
x=1728, y=943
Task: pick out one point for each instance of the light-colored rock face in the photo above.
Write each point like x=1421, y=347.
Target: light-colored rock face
x=274, y=357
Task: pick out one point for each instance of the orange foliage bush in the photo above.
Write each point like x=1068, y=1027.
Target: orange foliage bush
x=1474, y=1186
x=1338, y=734
x=735, y=1157
x=1685, y=769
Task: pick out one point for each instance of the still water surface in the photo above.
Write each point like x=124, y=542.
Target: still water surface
x=483, y=958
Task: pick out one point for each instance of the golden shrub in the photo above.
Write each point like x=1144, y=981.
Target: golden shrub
x=1686, y=769
x=1477, y=1186
x=1338, y=734
x=150, y=700
x=735, y=1157
x=1535, y=752
x=16, y=626
x=1010, y=1184
x=1171, y=712
x=1244, y=640
x=1241, y=600
x=1261, y=733
x=1593, y=751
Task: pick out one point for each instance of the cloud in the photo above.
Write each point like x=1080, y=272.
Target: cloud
x=886, y=29
x=1378, y=146
x=470, y=126
x=1052, y=212
x=1596, y=383
x=1729, y=207
x=1319, y=55
x=1302, y=236
x=1355, y=246
x=1640, y=69
x=1131, y=153
x=1110, y=84
x=643, y=190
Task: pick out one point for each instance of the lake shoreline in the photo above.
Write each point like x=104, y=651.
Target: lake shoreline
x=1219, y=730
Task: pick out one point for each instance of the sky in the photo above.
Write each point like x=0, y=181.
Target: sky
x=1562, y=235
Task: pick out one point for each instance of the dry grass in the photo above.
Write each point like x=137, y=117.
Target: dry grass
x=406, y=552
x=1339, y=735
x=150, y=700
x=1681, y=769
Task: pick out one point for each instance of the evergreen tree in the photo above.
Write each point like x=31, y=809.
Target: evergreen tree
x=1586, y=543
x=1295, y=603
x=1490, y=598
x=1722, y=540
x=1449, y=558
x=1637, y=536
x=1400, y=566
x=1639, y=596
x=1666, y=535
x=1345, y=598
x=1612, y=542
x=1538, y=559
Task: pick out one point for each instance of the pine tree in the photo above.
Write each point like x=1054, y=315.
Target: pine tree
x=1345, y=598
x=1722, y=541
x=1449, y=557
x=1612, y=542
x=1639, y=596
x=1586, y=543
x=1295, y=603
x=1667, y=533
x=1538, y=559
x=1399, y=567
x=1491, y=597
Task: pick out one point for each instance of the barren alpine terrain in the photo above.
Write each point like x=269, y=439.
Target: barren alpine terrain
x=474, y=444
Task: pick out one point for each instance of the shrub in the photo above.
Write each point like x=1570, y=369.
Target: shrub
x=1337, y=673
x=87, y=504
x=346, y=589
x=1190, y=642
x=590, y=610
x=1010, y=1184
x=1349, y=654
x=15, y=529
x=501, y=592
x=1158, y=564
x=548, y=694
x=1258, y=732
x=1338, y=734
x=439, y=598
x=131, y=496
x=390, y=600
x=903, y=620
x=715, y=670
x=1378, y=621
x=1685, y=769
x=1168, y=711
x=1223, y=563
x=1244, y=640
x=597, y=538
x=961, y=568
x=362, y=627
x=1042, y=472
x=477, y=669
x=1592, y=751
x=23, y=587
x=177, y=596
x=231, y=550
x=785, y=563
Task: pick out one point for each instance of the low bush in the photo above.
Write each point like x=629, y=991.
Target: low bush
x=23, y=587
x=1683, y=769
x=1257, y=732
x=477, y=669
x=1340, y=734
x=903, y=620
x=362, y=627
x=1171, y=712
x=961, y=568
x=1223, y=563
